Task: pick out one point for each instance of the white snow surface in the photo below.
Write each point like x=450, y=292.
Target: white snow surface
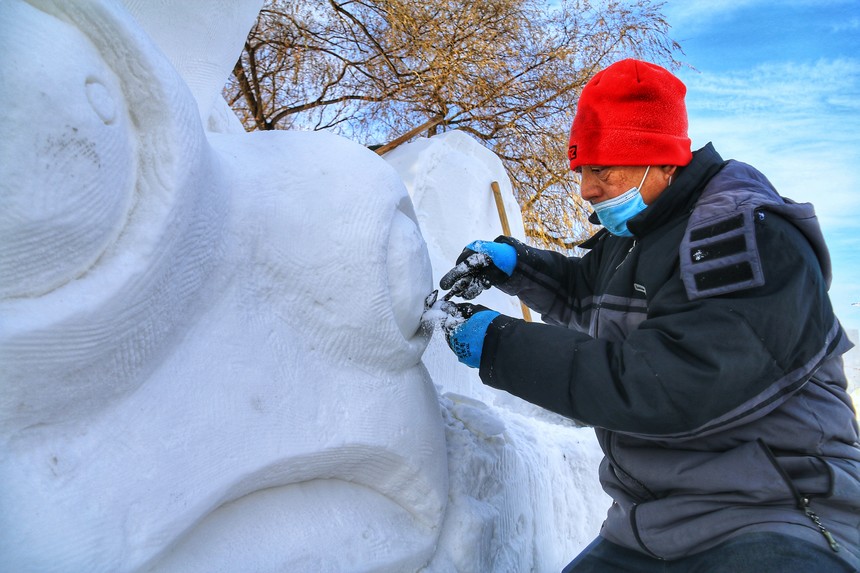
x=210, y=352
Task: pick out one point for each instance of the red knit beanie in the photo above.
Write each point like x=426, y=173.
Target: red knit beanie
x=631, y=113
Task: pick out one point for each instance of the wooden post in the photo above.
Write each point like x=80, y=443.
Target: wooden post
x=500, y=207
x=382, y=150
x=506, y=229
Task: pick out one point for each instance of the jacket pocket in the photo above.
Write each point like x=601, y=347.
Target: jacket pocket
x=803, y=475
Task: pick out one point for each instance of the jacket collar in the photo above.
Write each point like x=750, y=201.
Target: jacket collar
x=680, y=197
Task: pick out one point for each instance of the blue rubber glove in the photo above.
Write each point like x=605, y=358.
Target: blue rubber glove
x=465, y=330
x=481, y=265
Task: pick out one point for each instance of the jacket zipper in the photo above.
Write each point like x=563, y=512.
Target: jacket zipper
x=627, y=254
x=595, y=331
x=802, y=500
x=804, y=504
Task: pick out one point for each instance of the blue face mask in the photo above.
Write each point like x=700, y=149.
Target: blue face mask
x=614, y=213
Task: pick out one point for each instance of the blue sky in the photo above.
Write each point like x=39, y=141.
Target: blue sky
x=777, y=85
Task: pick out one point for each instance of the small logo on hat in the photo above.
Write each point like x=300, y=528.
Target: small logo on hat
x=571, y=152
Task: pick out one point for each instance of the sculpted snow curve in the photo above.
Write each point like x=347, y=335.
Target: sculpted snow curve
x=209, y=342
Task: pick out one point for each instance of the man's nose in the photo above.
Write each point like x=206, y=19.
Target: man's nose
x=589, y=189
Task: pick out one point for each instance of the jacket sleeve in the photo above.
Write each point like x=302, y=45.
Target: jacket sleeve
x=691, y=367
x=558, y=287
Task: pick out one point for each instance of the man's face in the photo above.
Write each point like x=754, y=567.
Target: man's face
x=600, y=183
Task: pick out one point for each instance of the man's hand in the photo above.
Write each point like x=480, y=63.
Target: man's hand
x=481, y=265
x=465, y=326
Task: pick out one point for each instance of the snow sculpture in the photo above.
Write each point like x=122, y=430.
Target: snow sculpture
x=209, y=346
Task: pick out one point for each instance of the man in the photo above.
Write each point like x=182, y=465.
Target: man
x=696, y=336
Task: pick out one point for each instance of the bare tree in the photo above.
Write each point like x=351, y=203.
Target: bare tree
x=508, y=72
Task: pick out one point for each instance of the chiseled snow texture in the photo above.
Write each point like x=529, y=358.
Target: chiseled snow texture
x=210, y=357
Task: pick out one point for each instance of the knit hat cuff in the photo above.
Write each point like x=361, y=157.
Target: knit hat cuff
x=609, y=147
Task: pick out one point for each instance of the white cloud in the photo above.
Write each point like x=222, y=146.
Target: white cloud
x=692, y=16
x=849, y=25
x=687, y=15
x=799, y=124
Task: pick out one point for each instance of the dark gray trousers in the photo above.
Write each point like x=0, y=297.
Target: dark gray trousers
x=750, y=553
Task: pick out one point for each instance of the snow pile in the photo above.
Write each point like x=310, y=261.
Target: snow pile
x=210, y=346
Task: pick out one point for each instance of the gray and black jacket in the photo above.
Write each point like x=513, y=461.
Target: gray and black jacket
x=707, y=356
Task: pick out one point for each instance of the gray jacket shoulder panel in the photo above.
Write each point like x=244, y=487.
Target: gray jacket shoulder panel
x=719, y=253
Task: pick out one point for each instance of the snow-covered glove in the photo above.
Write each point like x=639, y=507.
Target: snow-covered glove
x=465, y=328
x=481, y=265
